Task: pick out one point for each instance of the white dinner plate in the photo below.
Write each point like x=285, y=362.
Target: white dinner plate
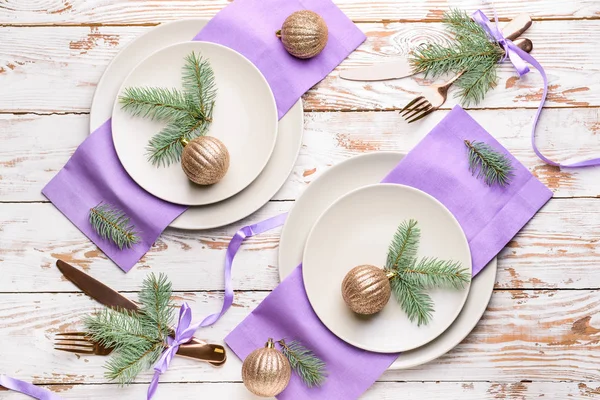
x=357, y=230
x=339, y=180
x=244, y=119
x=259, y=192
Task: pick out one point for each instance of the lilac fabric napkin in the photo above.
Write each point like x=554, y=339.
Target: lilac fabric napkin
x=95, y=174
x=251, y=27
x=438, y=165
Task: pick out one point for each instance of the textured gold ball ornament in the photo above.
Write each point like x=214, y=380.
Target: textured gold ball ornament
x=266, y=372
x=205, y=160
x=304, y=34
x=366, y=289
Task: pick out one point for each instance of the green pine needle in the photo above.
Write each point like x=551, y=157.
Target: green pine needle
x=472, y=51
x=417, y=304
x=188, y=112
x=113, y=224
x=137, y=338
x=310, y=368
x=490, y=165
x=432, y=272
x=404, y=246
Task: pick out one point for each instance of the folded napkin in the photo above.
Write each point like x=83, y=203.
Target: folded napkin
x=438, y=165
x=94, y=174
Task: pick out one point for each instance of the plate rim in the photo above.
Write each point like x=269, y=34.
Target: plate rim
x=272, y=106
x=411, y=189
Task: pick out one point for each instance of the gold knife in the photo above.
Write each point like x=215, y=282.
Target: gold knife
x=213, y=353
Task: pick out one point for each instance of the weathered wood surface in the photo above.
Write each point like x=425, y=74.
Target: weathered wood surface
x=520, y=337
x=33, y=12
x=59, y=73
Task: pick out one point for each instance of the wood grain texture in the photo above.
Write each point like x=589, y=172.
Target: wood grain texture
x=557, y=249
x=520, y=337
x=514, y=390
x=35, y=147
x=59, y=74
x=69, y=12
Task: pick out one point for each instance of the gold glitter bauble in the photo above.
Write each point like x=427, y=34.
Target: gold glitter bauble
x=205, y=160
x=304, y=34
x=366, y=289
x=266, y=372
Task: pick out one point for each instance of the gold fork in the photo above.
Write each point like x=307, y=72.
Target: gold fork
x=79, y=342
x=435, y=95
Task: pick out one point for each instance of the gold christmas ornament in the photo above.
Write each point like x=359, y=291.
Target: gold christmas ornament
x=205, y=160
x=266, y=372
x=304, y=34
x=366, y=289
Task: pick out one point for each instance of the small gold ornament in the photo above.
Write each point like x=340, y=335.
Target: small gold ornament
x=205, y=160
x=366, y=289
x=304, y=34
x=266, y=372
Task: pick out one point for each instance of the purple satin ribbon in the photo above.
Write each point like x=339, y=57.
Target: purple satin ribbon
x=184, y=330
x=27, y=388
x=519, y=58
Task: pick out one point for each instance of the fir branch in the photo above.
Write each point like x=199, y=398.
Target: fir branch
x=309, y=367
x=490, y=165
x=125, y=365
x=156, y=103
x=404, y=246
x=155, y=298
x=477, y=81
x=432, y=272
x=414, y=301
x=199, y=84
x=165, y=147
x=113, y=224
x=462, y=25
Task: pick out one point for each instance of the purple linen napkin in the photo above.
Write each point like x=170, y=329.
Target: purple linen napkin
x=95, y=174
x=438, y=165
x=251, y=27
x=489, y=216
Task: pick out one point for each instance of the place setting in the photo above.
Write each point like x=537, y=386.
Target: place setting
x=386, y=261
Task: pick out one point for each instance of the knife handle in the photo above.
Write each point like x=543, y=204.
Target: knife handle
x=517, y=26
x=212, y=353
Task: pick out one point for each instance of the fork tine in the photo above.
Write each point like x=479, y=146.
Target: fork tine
x=423, y=115
x=420, y=104
x=72, y=334
x=416, y=111
x=78, y=341
x=411, y=103
x=74, y=350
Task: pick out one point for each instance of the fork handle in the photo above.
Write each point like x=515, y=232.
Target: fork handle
x=212, y=353
x=517, y=26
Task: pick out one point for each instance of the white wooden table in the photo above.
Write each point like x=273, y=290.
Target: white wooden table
x=540, y=334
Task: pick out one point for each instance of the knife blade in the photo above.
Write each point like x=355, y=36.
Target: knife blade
x=197, y=349
x=401, y=68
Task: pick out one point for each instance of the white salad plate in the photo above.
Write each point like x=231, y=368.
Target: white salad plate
x=262, y=189
x=244, y=119
x=341, y=179
x=357, y=230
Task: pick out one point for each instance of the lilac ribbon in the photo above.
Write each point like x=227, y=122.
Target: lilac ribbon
x=184, y=331
x=519, y=58
x=27, y=388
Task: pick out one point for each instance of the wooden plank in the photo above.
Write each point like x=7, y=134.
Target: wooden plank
x=59, y=74
x=557, y=249
x=379, y=391
x=34, y=148
x=524, y=335
x=35, y=12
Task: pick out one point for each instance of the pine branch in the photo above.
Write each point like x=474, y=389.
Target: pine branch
x=113, y=224
x=165, y=147
x=156, y=103
x=414, y=301
x=486, y=163
x=155, y=298
x=432, y=272
x=404, y=246
x=309, y=367
x=125, y=365
x=462, y=25
x=199, y=84
x=477, y=81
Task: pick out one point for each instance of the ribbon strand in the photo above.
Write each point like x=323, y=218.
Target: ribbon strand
x=519, y=58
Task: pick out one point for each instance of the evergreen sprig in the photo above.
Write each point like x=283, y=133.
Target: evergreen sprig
x=490, y=165
x=411, y=277
x=137, y=338
x=111, y=223
x=310, y=368
x=188, y=112
x=472, y=52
